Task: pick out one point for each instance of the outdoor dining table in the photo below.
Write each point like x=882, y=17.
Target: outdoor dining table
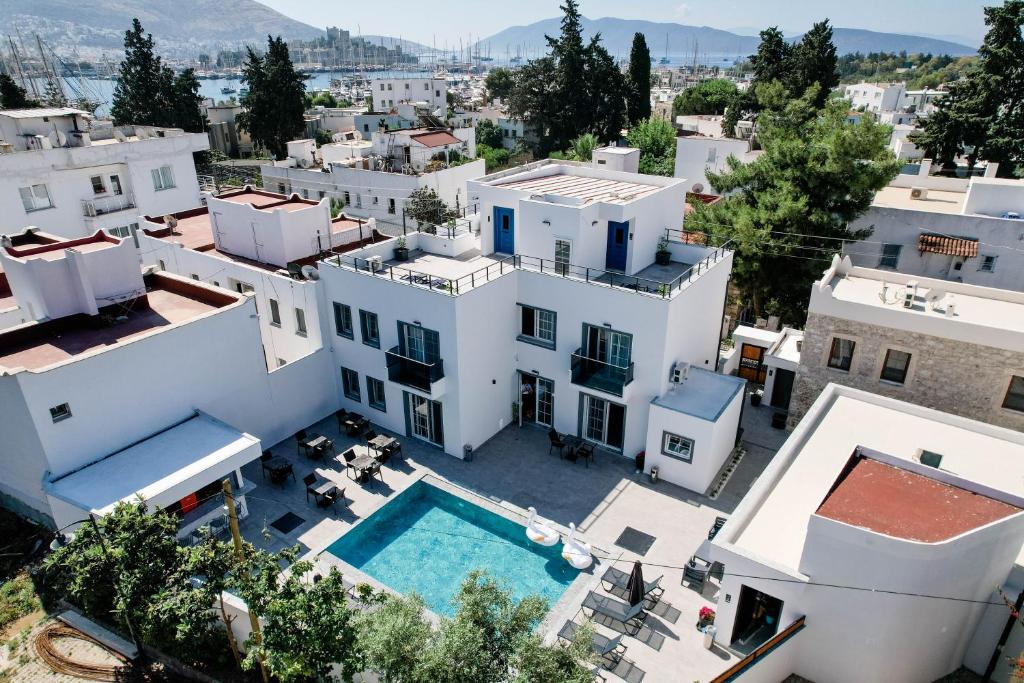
x=361, y=464
x=381, y=442
x=279, y=468
x=324, y=490
x=352, y=421
x=314, y=445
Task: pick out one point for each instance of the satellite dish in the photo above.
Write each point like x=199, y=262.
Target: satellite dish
x=62, y=140
x=310, y=273
x=697, y=188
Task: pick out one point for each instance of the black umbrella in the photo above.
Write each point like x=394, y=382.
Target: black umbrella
x=636, y=584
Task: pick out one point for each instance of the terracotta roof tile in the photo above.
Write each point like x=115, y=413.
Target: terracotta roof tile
x=943, y=244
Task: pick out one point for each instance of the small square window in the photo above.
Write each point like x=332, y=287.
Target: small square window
x=890, y=255
x=930, y=458
x=1015, y=394
x=675, y=446
x=97, y=184
x=61, y=412
x=275, y=313
x=375, y=394
x=350, y=383
x=840, y=357
x=300, y=322
x=343, y=320
x=895, y=366
x=988, y=264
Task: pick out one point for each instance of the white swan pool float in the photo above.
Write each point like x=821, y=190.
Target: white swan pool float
x=539, y=532
x=576, y=553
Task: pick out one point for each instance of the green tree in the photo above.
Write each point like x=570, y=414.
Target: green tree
x=324, y=99
x=393, y=637
x=707, y=97
x=499, y=83
x=185, y=100
x=638, y=101
x=488, y=133
x=274, y=106
x=308, y=629
x=784, y=210
x=583, y=147
x=495, y=158
x=137, y=95
x=656, y=140
x=768, y=64
x=425, y=206
x=813, y=61
x=575, y=89
x=13, y=96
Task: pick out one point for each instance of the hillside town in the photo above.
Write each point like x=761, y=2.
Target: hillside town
x=562, y=366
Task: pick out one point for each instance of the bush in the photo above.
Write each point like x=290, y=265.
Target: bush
x=17, y=598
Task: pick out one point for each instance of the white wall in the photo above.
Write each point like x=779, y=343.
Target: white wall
x=696, y=155
x=66, y=172
x=994, y=196
x=273, y=235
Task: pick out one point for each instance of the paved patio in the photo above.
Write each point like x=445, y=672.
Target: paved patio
x=515, y=469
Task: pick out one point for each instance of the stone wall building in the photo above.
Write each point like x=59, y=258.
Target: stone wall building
x=948, y=346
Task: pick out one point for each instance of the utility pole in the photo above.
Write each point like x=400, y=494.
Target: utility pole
x=254, y=620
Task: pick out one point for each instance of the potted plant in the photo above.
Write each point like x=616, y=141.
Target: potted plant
x=663, y=256
x=402, y=250
x=705, y=617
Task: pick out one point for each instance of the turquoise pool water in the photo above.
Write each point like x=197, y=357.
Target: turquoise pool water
x=426, y=540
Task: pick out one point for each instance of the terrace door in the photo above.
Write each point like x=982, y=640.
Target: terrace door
x=602, y=421
x=618, y=241
x=423, y=419
x=536, y=399
x=504, y=230
x=783, y=388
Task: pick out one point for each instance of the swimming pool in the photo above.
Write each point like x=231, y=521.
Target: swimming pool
x=427, y=540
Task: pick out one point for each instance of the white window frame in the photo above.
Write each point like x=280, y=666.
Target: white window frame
x=562, y=263
x=275, y=313
x=33, y=196
x=163, y=178
x=98, y=186
x=676, y=446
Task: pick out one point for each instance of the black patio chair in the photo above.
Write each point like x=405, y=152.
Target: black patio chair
x=395, y=449
x=374, y=471
x=264, y=458
x=348, y=456
x=342, y=415
x=370, y=435
x=556, y=441
x=311, y=482
x=300, y=441
x=695, y=576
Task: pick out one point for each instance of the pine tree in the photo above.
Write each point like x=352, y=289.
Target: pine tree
x=13, y=96
x=606, y=85
x=769, y=64
x=812, y=61
x=137, y=96
x=275, y=103
x=568, y=52
x=638, y=103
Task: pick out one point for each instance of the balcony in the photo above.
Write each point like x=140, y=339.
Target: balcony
x=413, y=373
x=597, y=374
x=92, y=208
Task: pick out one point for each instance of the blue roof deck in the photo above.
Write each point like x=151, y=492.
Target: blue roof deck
x=704, y=394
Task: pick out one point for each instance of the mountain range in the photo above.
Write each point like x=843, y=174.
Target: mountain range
x=187, y=27
x=677, y=39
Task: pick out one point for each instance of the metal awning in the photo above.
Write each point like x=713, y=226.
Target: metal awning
x=944, y=244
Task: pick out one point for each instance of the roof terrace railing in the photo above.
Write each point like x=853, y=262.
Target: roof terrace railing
x=595, y=276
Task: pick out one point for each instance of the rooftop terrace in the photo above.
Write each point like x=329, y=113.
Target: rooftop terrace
x=168, y=301
x=579, y=182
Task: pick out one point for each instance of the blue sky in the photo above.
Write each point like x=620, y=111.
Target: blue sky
x=449, y=20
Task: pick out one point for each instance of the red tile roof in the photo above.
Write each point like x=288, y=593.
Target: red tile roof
x=903, y=504
x=436, y=138
x=943, y=244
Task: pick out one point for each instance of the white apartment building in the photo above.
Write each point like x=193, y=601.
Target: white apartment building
x=109, y=393
x=873, y=545
x=375, y=179
x=950, y=346
x=962, y=230
x=553, y=312
x=68, y=177
x=875, y=97
x=389, y=92
x=698, y=154
x=251, y=241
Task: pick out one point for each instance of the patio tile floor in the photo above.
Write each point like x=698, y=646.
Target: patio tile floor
x=515, y=467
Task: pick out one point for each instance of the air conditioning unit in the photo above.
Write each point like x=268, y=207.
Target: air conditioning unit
x=376, y=264
x=679, y=372
x=909, y=294
x=919, y=193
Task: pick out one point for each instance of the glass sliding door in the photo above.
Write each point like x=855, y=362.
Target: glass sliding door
x=602, y=421
x=423, y=419
x=545, y=401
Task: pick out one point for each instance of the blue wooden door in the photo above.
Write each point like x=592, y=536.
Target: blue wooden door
x=504, y=230
x=618, y=240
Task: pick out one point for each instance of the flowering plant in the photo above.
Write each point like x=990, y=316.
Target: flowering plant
x=706, y=614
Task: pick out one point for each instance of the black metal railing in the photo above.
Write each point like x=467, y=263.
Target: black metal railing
x=412, y=372
x=598, y=374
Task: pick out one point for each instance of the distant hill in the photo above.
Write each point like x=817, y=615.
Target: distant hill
x=617, y=36
x=178, y=26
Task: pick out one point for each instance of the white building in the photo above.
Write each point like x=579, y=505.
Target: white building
x=554, y=313
x=251, y=241
x=697, y=155
x=883, y=529
x=109, y=393
x=388, y=92
x=70, y=178
x=948, y=228
x=875, y=97
x=375, y=178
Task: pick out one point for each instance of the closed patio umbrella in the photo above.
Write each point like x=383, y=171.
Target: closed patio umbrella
x=636, y=584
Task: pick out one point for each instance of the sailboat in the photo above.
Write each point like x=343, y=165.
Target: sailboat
x=664, y=60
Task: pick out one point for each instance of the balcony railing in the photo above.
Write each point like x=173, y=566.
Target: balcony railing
x=104, y=205
x=411, y=372
x=600, y=375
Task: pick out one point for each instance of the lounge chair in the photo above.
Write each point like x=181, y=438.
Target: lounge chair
x=631, y=616
x=617, y=578
x=608, y=649
x=556, y=442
